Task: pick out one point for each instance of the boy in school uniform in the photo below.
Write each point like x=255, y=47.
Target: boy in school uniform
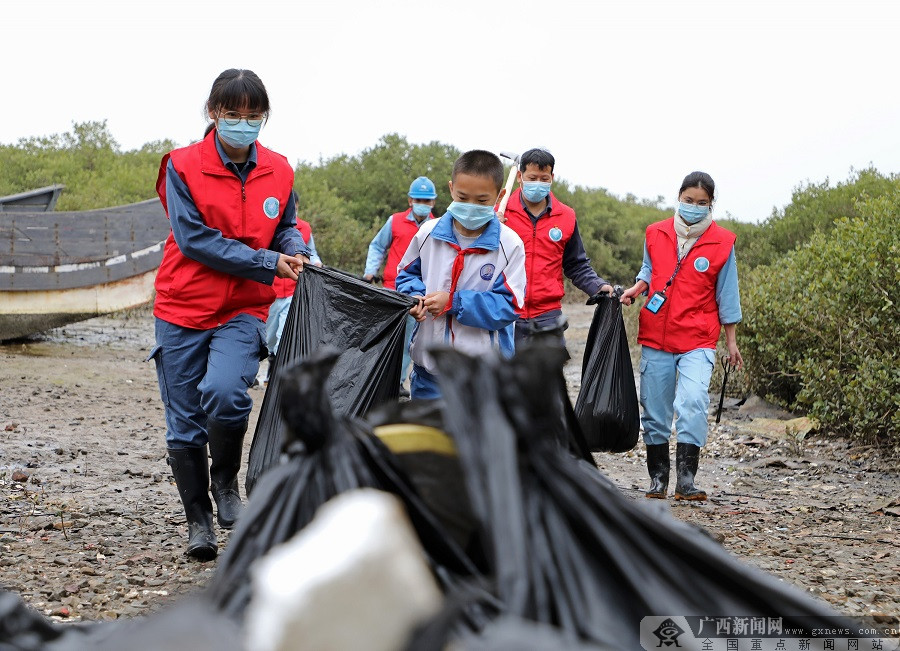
x=468, y=271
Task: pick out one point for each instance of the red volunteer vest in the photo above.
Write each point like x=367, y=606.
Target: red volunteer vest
x=544, y=247
x=689, y=319
x=284, y=287
x=402, y=232
x=189, y=293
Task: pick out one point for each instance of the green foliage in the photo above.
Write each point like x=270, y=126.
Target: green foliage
x=813, y=208
x=347, y=199
x=88, y=161
x=821, y=325
x=612, y=228
x=341, y=241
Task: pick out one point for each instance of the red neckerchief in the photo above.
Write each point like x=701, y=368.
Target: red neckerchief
x=458, y=265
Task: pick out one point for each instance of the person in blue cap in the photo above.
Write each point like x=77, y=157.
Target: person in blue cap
x=392, y=240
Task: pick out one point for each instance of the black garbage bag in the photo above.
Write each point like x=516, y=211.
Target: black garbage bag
x=24, y=629
x=565, y=547
x=502, y=633
x=364, y=322
x=413, y=431
x=328, y=453
x=189, y=625
x=607, y=403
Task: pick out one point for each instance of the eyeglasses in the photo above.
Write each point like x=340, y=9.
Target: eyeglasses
x=232, y=118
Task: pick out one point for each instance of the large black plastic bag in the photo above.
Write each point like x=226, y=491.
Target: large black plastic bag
x=565, y=547
x=413, y=431
x=189, y=624
x=328, y=453
x=607, y=404
x=366, y=323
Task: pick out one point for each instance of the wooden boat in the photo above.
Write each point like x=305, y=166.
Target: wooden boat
x=40, y=200
x=57, y=268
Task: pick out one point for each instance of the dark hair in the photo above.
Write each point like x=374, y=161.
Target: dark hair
x=478, y=162
x=540, y=157
x=235, y=88
x=699, y=180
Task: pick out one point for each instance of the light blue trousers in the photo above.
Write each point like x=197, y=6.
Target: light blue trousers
x=407, y=337
x=676, y=383
x=278, y=313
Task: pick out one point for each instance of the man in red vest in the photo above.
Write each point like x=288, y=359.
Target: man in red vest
x=393, y=239
x=553, y=245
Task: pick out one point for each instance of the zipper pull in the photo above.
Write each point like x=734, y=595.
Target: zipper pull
x=243, y=193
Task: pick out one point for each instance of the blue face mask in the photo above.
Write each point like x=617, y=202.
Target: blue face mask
x=239, y=135
x=471, y=215
x=535, y=191
x=692, y=213
x=421, y=209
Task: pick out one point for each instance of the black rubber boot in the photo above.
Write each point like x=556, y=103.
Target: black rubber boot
x=658, y=467
x=225, y=447
x=687, y=458
x=190, y=467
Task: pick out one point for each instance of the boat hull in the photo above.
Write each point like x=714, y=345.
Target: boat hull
x=40, y=200
x=60, y=268
x=26, y=313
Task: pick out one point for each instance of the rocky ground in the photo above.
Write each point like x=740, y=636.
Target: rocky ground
x=91, y=526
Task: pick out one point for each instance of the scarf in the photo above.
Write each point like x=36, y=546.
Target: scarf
x=688, y=233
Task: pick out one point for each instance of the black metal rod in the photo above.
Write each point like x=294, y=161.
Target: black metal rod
x=727, y=368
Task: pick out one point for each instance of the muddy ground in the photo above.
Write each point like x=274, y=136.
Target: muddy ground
x=91, y=526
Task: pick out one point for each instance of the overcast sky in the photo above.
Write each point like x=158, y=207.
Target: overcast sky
x=629, y=96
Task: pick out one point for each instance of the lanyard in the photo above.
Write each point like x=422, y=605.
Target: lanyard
x=674, y=273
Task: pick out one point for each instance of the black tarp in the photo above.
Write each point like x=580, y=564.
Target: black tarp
x=364, y=322
x=563, y=545
x=328, y=453
x=607, y=403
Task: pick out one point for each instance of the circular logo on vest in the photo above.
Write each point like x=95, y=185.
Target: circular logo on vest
x=487, y=271
x=270, y=207
x=555, y=234
x=701, y=264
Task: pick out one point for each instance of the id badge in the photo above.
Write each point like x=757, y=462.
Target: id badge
x=655, y=303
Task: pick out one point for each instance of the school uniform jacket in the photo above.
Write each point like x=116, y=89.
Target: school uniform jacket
x=223, y=266
x=489, y=289
x=689, y=319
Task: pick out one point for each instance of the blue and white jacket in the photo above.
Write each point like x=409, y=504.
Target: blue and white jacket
x=490, y=288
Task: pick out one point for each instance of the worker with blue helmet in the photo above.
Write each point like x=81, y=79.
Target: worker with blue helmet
x=392, y=241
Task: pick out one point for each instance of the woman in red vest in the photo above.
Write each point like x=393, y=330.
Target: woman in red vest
x=231, y=208
x=690, y=274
